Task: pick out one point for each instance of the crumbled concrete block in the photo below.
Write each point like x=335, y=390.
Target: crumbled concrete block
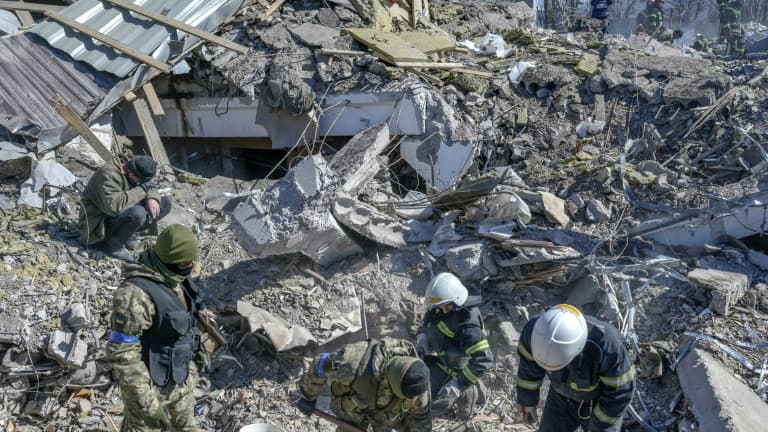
x=75, y=316
x=294, y=214
x=369, y=222
x=588, y=65
x=597, y=211
x=314, y=35
x=726, y=288
x=12, y=330
x=69, y=349
x=471, y=261
x=720, y=402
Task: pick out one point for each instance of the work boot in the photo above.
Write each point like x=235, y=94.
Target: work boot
x=122, y=254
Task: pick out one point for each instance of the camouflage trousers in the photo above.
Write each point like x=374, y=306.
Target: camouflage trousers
x=180, y=402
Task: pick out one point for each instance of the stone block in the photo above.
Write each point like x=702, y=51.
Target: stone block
x=369, y=222
x=726, y=288
x=68, y=348
x=554, y=209
x=720, y=402
x=471, y=261
x=75, y=316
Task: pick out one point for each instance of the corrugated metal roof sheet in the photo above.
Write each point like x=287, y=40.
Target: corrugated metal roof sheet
x=139, y=32
x=31, y=75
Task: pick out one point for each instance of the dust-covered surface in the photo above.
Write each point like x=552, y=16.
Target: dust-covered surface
x=650, y=131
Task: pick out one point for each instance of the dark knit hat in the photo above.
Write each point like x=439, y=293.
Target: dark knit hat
x=416, y=379
x=144, y=167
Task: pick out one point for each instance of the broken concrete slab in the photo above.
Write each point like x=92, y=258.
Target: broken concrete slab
x=726, y=288
x=276, y=37
x=327, y=17
x=282, y=335
x=440, y=163
x=387, y=46
x=720, y=402
x=472, y=261
x=369, y=222
x=415, y=206
x=70, y=349
x=294, y=214
x=314, y=35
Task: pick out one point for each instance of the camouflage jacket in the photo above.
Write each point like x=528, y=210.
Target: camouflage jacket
x=651, y=19
x=107, y=194
x=361, y=393
x=133, y=314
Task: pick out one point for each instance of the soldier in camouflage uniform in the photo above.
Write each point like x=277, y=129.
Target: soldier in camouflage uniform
x=154, y=347
x=377, y=383
x=651, y=20
x=701, y=43
x=730, y=26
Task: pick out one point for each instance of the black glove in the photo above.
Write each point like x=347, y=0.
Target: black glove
x=306, y=406
x=160, y=419
x=147, y=185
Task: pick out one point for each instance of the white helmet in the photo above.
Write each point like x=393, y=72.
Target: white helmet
x=446, y=288
x=559, y=335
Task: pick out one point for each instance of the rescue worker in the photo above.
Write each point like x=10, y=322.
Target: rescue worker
x=377, y=383
x=154, y=347
x=730, y=27
x=118, y=201
x=451, y=340
x=651, y=20
x=591, y=375
x=600, y=14
x=701, y=43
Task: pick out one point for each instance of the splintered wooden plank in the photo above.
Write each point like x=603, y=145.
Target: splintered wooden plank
x=70, y=116
x=154, y=142
x=154, y=101
x=32, y=7
x=202, y=34
x=125, y=49
x=387, y=46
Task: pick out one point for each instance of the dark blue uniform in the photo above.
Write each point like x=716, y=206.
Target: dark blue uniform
x=459, y=347
x=600, y=9
x=593, y=391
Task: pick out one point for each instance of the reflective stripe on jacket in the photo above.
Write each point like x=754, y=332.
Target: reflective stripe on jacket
x=602, y=373
x=457, y=335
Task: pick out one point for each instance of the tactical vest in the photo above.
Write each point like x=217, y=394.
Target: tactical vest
x=170, y=344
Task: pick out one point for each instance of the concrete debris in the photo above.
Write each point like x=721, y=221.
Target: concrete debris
x=719, y=401
x=295, y=215
x=68, y=348
x=15, y=161
x=315, y=35
x=279, y=333
x=726, y=288
x=415, y=206
x=75, y=316
x=554, y=209
x=597, y=211
x=12, y=330
x=492, y=44
x=367, y=221
x=471, y=261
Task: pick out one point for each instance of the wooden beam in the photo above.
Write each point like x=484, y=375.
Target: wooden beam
x=70, y=116
x=333, y=51
x=467, y=71
x=32, y=7
x=125, y=49
x=202, y=34
x=154, y=101
x=277, y=4
x=25, y=17
x=429, y=65
x=154, y=142
x=415, y=12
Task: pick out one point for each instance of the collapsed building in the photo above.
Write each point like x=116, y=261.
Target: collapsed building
x=332, y=156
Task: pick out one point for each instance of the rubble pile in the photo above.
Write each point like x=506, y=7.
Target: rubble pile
x=618, y=174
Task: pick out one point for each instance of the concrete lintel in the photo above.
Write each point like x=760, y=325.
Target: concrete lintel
x=346, y=115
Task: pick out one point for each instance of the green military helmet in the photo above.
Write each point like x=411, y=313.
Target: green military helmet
x=408, y=377
x=177, y=244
